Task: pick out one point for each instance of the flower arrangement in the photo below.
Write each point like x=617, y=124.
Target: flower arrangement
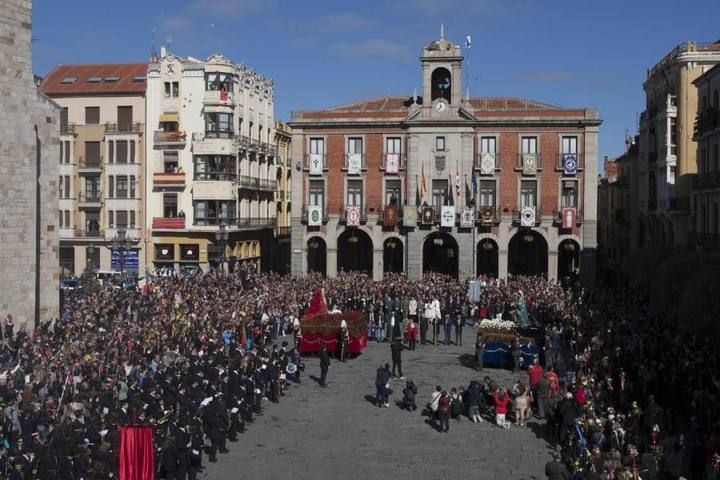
x=503, y=326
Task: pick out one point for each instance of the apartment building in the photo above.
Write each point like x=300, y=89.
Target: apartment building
x=281, y=251
x=212, y=163
x=667, y=149
x=444, y=182
x=101, y=165
x=705, y=196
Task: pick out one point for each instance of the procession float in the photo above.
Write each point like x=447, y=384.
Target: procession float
x=499, y=336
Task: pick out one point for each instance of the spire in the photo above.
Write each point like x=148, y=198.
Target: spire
x=442, y=31
x=414, y=95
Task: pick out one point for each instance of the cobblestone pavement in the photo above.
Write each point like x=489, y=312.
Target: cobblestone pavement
x=337, y=432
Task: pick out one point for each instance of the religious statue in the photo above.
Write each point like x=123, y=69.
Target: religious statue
x=521, y=314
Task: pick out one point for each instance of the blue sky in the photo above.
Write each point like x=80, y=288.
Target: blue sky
x=320, y=53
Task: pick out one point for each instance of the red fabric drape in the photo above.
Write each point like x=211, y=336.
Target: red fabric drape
x=317, y=304
x=137, y=453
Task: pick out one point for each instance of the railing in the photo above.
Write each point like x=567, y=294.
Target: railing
x=494, y=155
x=67, y=129
x=579, y=159
x=90, y=163
x=174, y=223
x=91, y=197
x=708, y=241
x=262, y=147
x=243, y=141
x=706, y=121
x=557, y=215
x=161, y=179
x=488, y=215
x=283, y=231
x=363, y=213
x=524, y=159
x=516, y=216
x=272, y=150
x=123, y=127
x=280, y=196
x=208, y=221
x=707, y=180
x=381, y=214
x=246, y=181
x=219, y=97
x=256, y=222
x=216, y=176
x=311, y=157
x=161, y=137
x=363, y=160
x=304, y=217
x=402, y=158
x=88, y=233
x=254, y=145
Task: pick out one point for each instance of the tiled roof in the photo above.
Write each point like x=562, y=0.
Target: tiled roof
x=396, y=103
x=100, y=78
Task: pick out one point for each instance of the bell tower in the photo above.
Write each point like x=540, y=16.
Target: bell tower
x=441, y=62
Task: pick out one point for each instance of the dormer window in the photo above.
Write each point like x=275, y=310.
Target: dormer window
x=94, y=79
x=69, y=80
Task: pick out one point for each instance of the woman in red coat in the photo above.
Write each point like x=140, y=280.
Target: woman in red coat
x=411, y=334
x=502, y=398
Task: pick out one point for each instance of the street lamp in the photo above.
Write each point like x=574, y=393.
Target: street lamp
x=120, y=244
x=221, y=238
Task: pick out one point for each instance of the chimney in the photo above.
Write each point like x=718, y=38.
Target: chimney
x=163, y=52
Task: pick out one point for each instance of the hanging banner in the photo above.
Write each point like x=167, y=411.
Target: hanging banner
x=570, y=163
x=316, y=164
x=529, y=163
x=467, y=218
x=352, y=216
x=487, y=215
x=409, y=216
x=527, y=217
x=390, y=215
x=428, y=215
x=392, y=163
x=487, y=163
x=569, y=216
x=447, y=216
x=314, y=215
x=354, y=163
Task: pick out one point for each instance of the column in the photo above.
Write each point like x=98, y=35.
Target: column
x=377, y=264
x=552, y=265
x=502, y=264
x=331, y=262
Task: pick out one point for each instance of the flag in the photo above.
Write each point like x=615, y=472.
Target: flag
x=457, y=182
x=468, y=41
x=423, y=187
x=474, y=183
x=417, y=192
x=449, y=197
x=468, y=194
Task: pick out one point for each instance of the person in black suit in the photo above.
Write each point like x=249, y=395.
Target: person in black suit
x=556, y=470
x=324, y=365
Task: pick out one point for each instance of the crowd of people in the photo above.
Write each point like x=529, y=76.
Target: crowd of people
x=623, y=394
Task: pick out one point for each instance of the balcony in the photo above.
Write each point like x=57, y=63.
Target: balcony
x=90, y=200
x=401, y=161
x=254, y=222
x=360, y=158
x=123, y=128
x=707, y=241
x=263, y=148
x=363, y=214
x=529, y=163
x=558, y=220
x=304, y=217
x=271, y=150
x=283, y=231
x=90, y=166
x=315, y=163
x=210, y=143
x=492, y=162
x=88, y=233
x=381, y=215
x=242, y=141
x=163, y=139
x=254, y=183
x=67, y=129
x=280, y=196
x=706, y=122
x=516, y=214
x=560, y=162
x=215, y=221
x=707, y=181
x=488, y=215
x=168, y=180
x=219, y=97
x=174, y=223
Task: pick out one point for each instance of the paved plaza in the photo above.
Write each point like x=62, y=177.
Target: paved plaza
x=337, y=432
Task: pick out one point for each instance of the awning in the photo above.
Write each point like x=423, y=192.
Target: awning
x=170, y=117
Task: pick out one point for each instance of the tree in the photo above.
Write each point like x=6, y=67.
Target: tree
x=89, y=280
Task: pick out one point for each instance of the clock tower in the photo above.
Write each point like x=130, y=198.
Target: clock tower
x=441, y=62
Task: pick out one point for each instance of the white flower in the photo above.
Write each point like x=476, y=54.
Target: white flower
x=506, y=325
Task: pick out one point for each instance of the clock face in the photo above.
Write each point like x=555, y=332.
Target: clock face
x=440, y=106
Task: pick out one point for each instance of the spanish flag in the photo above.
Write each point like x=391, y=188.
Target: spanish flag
x=423, y=186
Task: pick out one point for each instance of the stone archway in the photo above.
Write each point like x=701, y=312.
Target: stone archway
x=528, y=253
x=355, y=251
x=393, y=255
x=440, y=254
x=316, y=255
x=487, y=258
x=568, y=259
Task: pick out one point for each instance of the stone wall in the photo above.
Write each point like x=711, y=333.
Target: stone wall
x=29, y=131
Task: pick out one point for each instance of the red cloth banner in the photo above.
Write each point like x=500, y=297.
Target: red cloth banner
x=137, y=453
x=390, y=216
x=313, y=341
x=318, y=305
x=568, y=217
x=223, y=96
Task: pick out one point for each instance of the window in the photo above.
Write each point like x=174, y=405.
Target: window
x=92, y=187
x=317, y=193
x=63, y=118
x=529, y=144
x=440, y=144
x=218, y=82
x=172, y=89
x=111, y=219
x=111, y=79
x=65, y=152
x=439, y=193
x=355, y=145
x=111, y=151
x=125, y=118
x=528, y=193
x=354, y=193
x=68, y=80
x=111, y=186
x=393, y=192
x=569, y=145
x=131, y=147
x=132, y=218
x=213, y=212
x=138, y=79
x=487, y=191
x=488, y=145
x=218, y=125
x=132, y=186
x=92, y=115
x=95, y=79
x=170, y=161
x=569, y=194
x=92, y=154
x=215, y=167
x=60, y=186
x=122, y=151
x=170, y=205
x=392, y=145
x=121, y=219
x=121, y=186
